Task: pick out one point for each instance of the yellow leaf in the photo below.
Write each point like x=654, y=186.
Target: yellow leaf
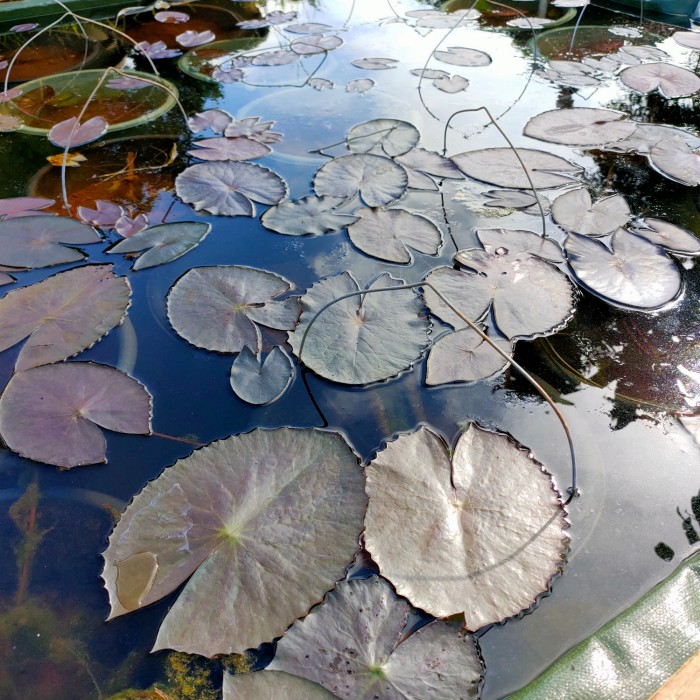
x=73, y=160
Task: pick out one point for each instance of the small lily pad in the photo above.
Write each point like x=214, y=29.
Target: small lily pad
x=391, y=137
x=463, y=56
x=574, y=211
x=261, y=382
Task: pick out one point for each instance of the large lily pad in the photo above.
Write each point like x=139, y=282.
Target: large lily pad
x=260, y=526
x=229, y=148
x=308, y=215
x=54, y=413
x=392, y=137
x=484, y=524
x=580, y=126
x=40, y=241
x=221, y=308
x=357, y=648
x=500, y=166
x=163, y=243
x=677, y=160
x=632, y=272
x=527, y=296
x=376, y=179
x=389, y=234
x=227, y=188
x=667, y=235
x=671, y=81
x=361, y=339
x=575, y=211
x=62, y=315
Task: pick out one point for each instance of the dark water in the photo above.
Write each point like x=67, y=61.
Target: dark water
x=637, y=465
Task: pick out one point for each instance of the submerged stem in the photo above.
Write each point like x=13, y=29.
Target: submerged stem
x=573, y=489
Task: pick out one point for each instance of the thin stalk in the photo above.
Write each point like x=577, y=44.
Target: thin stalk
x=573, y=36
x=573, y=489
x=177, y=439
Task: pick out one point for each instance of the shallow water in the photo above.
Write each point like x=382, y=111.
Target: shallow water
x=637, y=465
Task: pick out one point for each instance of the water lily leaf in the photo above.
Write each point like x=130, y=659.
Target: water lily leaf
x=671, y=81
x=127, y=227
x=106, y=215
x=156, y=50
x=628, y=32
x=215, y=119
x=360, y=85
x=580, y=126
x=633, y=272
x=527, y=296
x=463, y=356
x=356, y=638
x=429, y=73
x=225, y=520
x=23, y=206
x=520, y=244
x=278, y=57
x=322, y=84
x=691, y=40
x=361, y=339
x=439, y=505
x=171, y=17
x=375, y=63
x=647, y=135
x=501, y=167
x=676, y=160
x=310, y=214
x=229, y=148
x=54, y=413
x=377, y=180
x=568, y=78
x=9, y=123
x=462, y=56
x=574, y=211
x=388, y=234
x=228, y=188
x=644, y=53
x=308, y=28
x=25, y=27
x=433, y=19
x=8, y=95
x=605, y=64
x=192, y=38
x=127, y=83
x=420, y=164
x=455, y=83
x=667, y=235
x=40, y=241
x=272, y=685
x=312, y=44
x=511, y=199
x=5, y=276
x=70, y=132
x=392, y=137
x=227, y=76
x=253, y=128
x=220, y=308
x=163, y=243
x=258, y=382
x=63, y=314
x=529, y=22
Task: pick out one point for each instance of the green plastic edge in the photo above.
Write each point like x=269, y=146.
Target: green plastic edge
x=18, y=11
x=635, y=653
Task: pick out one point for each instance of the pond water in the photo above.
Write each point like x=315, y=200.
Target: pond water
x=621, y=376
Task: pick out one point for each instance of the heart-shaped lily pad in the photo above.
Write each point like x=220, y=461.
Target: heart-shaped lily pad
x=259, y=381
x=574, y=211
x=307, y=215
x=580, y=126
x=671, y=81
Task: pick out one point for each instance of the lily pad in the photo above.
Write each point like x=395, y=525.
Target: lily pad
x=647, y=135
x=357, y=641
x=376, y=179
x=361, y=339
x=215, y=119
x=463, y=56
x=439, y=505
x=580, y=126
x=309, y=215
x=519, y=244
x=667, y=235
x=40, y=241
x=221, y=308
x=671, y=81
x=676, y=160
x=70, y=133
x=391, y=137
x=54, y=413
x=632, y=272
x=451, y=85
x=228, y=188
x=420, y=163
x=389, y=234
x=163, y=243
x=574, y=211
x=375, y=63
x=314, y=44
x=229, y=148
x=463, y=356
x=360, y=85
x=11, y=207
x=62, y=315
x=501, y=167
x=235, y=511
x=260, y=382
x=253, y=128
x=272, y=685
x=526, y=295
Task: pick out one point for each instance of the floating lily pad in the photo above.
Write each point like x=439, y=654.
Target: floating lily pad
x=422, y=166
x=439, y=505
x=667, y=235
x=314, y=44
x=519, y=244
x=391, y=137
x=260, y=382
x=632, y=272
x=70, y=132
x=40, y=241
x=215, y=119
x=361, y=339
x=357, y=641
x=463, y=56
x=309, y=215
x=163, y=243
x=451, y=85
x=229, y=148
x=221, y=308
x=236, y=509
x=54, y=413
x=671, y=81
x=676, y=160
x=574, y=211
x=580, y=126
x=390, y=234
x=360, y=85
x=526, y=295
x=501, y=167
x=272, y=685
x=227, y=188
x=376, y=179
x=375, y=63
x=11, y=207
x=62, y=315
